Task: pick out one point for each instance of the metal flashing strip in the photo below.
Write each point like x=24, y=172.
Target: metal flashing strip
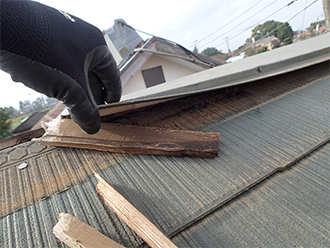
x=261, y=66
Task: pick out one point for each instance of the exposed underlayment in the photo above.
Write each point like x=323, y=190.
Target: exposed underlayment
x=265, y=126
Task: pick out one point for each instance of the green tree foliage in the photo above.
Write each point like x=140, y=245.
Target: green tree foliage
x=279, y=29
x=210, y=51
x=287, y=41
x=262, y=49
x=4, y=123
x=284, y=32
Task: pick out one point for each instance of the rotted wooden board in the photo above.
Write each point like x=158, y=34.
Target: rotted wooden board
x=133, y=139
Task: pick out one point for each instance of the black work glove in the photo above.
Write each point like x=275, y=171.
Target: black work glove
x=59, y=55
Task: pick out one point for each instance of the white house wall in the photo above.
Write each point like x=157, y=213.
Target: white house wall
x=171, y=71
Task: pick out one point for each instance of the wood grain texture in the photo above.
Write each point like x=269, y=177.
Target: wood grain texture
x=21, y=138
x=131, y=216
x=77, y=234
x=133, y=139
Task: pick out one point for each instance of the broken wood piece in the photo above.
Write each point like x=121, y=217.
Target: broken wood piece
x=131, y=216
x=78, y=234
x=21, y=138
x=133, y=139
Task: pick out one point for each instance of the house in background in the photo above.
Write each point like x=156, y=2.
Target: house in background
x=155, y=61
x=301, y=35
x=269, y=42
x=122, y=40
x=236, y=58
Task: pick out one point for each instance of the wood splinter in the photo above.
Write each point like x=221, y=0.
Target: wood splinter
x=77, y=234
x=131, y=216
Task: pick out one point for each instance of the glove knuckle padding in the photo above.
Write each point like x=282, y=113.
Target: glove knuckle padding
x=60, y=58
x=101, y=62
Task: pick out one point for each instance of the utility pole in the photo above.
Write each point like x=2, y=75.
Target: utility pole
x=269, y=42
x=326, y=10
x=229, y=52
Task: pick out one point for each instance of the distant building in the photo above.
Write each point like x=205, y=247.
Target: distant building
x=144, y=64
x=236, y=58
x=301, y=35
x=270, y=42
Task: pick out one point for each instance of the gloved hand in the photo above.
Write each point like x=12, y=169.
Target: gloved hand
x=59, y=55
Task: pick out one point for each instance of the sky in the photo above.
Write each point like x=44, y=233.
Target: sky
x=200, y=23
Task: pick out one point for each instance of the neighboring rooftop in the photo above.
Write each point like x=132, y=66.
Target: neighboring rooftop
x=268, y=187
x=29, y=122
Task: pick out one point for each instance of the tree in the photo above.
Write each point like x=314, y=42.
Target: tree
x=284, y=31
x=262, y=49
x=4, y=123
x=279, y=29
x=51, y=102
x=210, y=51
x=13, y=113
x=39, y=104
x=287, y=41
x=21, y=106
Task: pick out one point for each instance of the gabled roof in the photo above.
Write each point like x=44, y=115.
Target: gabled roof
x=265, y=40
x=167, y=49
x=124, y=38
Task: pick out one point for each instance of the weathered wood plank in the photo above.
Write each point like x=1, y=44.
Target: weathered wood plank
x=131, y=216
x=21, y=138
x=77, y=234
x=133, y=139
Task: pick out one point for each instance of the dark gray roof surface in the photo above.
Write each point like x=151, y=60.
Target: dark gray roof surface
x=290, y=209
x=271, y=125
x=264, y=40
x=29, y=122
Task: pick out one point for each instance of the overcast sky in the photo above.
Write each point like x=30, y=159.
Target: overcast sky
x=204, y=23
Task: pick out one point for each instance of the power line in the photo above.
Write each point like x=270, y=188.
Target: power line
x=260, y=21
x=183, y=48
x=280, y=25
x=129, y=26
x=227, y=23
x=240, y=23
